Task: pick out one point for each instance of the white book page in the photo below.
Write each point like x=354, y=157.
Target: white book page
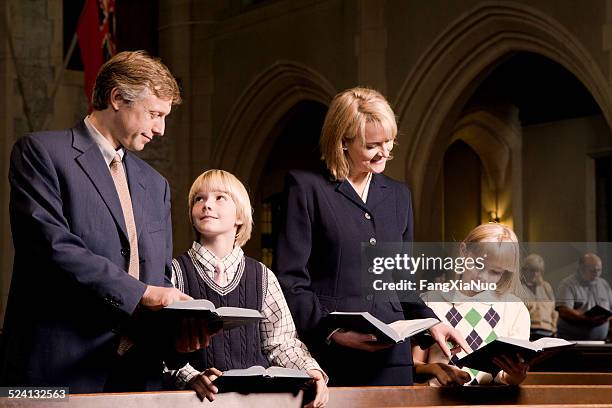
x=195, y=304
x=276, y=371
x=406, y=328
x=546, y=342
x=238, y=311
x=245, y=372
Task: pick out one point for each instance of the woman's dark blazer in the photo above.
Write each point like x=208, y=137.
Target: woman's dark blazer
x=318, y=261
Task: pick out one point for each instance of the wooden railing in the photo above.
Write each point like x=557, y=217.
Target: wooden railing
x=529, y=395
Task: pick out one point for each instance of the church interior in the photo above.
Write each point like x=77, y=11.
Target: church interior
x=504, y=111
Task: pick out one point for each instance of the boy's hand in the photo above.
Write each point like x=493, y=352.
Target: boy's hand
x=322, y=392
x=203, y=385
x=359, y=341
x=193, y=334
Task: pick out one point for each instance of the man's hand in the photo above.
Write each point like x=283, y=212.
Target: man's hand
x=203, y=385
x=444, y=373
x=359, y=341
x=322, y=393
x=156, y=297
x=597, y=320
x=442, y=333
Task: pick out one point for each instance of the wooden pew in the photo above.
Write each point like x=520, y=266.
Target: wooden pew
x=528, y=395
x=535, y=378
x=554, y=396
x=168, y=399
x=581, y=358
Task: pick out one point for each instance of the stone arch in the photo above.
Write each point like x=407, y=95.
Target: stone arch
x=496, y=137
x=259, y=109
x=436, y=90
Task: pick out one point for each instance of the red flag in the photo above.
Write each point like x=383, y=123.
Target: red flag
x=96, y=33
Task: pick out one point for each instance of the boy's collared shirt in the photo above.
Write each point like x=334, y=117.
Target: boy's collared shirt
x=280, y=343
x=208, y=260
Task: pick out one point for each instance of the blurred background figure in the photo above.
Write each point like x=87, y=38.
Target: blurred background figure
x=540, y=299
x=577, y=294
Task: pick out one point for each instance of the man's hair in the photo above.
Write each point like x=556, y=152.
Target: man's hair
x=226, y=182
x=345, y=123
x=133, y=73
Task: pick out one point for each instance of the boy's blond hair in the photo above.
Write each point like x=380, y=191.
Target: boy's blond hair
x=226, y=182
x=345, y=123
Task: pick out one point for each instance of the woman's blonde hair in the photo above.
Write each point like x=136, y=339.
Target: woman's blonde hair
x=225, y=182
x=345, y=123
x=497, y=243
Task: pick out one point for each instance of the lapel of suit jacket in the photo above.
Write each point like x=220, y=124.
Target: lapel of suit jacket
x=378, y=191
x=376, y=195
x=93, y=164
x=137, y=189
x=345, y=188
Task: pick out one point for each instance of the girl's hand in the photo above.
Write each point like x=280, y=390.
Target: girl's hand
x=514, y=368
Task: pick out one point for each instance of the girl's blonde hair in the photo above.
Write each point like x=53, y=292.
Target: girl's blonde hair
x=501, y=247
x=345, y=123
x=225, y=182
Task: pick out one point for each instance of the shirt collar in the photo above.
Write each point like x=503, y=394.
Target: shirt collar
x=458, y=297
x=106, y=148
x=366, y=190
x=209, y=260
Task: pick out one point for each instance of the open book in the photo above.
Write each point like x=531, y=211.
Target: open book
x=364, y=322
x=260, y=379
x=227, y=317
x=482, y=359
x=597, y=311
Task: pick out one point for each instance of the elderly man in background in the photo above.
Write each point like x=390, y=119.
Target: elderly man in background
x=579, y=293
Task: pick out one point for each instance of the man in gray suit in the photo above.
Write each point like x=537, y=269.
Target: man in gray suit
x=93, y=241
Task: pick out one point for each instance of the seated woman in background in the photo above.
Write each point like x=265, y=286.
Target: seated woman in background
x=483, y=316
x=540, y=298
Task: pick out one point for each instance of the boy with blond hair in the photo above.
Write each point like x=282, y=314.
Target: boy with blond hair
x=215, y=268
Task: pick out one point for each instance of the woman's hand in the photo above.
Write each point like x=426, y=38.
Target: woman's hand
x=514, y=368
x=322, y=392
x=442, y=333
x=444, y=373
x=359, y=341
x=203, y=385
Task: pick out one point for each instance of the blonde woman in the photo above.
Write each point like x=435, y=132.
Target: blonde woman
x=330, y=214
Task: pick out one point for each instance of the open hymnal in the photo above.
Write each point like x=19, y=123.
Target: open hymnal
x=228, y=317
x=364, y=322
x=260, y=379
x=482, y=359
x=597, y=311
